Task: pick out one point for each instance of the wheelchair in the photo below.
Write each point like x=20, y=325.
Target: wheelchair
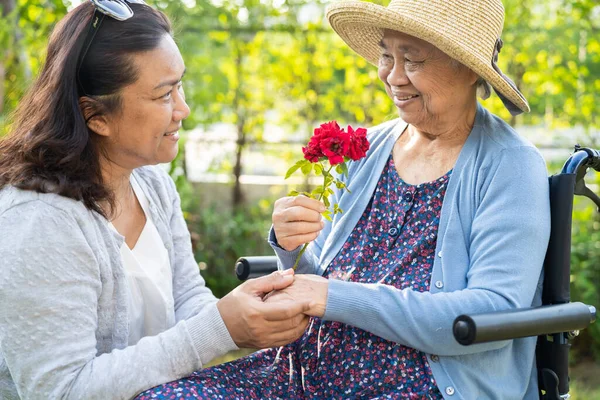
x=557, y=321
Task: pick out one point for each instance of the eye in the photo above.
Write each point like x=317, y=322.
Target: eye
x=167, y=95
x=386, y=59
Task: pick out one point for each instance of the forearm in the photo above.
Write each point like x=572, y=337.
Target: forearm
x=420, y=320
x=70, y=369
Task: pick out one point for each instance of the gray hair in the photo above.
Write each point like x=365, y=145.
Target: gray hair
x=484, y=89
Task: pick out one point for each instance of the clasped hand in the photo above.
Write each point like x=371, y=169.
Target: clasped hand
x=273, y=310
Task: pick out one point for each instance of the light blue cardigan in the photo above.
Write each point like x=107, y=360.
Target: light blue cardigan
x=492, y=238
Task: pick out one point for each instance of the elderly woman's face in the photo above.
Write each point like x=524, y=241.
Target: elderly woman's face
x=425, y=84
x=144, y=131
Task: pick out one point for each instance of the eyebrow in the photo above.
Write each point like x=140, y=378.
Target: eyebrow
x=407, y=48
x=170, y=83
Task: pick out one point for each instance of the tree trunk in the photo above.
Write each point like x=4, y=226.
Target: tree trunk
x=238, y=196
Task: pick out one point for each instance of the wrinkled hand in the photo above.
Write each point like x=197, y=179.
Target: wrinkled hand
x=305, y=287
x=254, y=323
x=297, y=220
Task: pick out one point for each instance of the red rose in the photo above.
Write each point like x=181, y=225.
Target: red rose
x=358, y=143
x=312, y=153
x=334, y=147
x=330, y=141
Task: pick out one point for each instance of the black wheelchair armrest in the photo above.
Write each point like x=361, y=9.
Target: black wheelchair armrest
x=253, y=267
x=480, y=328
x=513, y=324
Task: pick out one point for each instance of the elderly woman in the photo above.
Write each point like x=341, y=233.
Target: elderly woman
x=100, y=296
x=448, y=214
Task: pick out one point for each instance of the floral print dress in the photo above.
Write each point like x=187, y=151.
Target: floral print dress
x=393, y=244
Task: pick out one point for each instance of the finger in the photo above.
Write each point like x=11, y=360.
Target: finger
x=299, y=321
x=292, y=242
x=269, y=327
x=307, y=202
x=282, y=310
x=298, y=213
x=282, y=338
x=300, y=228
x=274, y=281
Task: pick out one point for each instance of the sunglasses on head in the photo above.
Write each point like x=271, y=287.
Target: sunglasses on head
x=116, y=9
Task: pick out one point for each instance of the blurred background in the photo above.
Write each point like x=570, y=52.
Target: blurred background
x=261, y=74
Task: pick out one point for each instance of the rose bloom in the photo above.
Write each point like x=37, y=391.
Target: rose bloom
x=358, y=143
x=330, y=141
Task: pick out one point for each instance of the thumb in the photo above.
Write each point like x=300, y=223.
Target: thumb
x=276, y=281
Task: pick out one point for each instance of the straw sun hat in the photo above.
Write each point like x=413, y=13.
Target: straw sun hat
x=466, y=30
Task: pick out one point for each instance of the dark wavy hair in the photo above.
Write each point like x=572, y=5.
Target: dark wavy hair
x=50, y=148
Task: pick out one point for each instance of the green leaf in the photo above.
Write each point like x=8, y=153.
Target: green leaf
x=344, y=169
x=317, y=191
x=327, y=215
x=326, y=201
x=306, y=168
x=295, y=167
x=293, y=193
x=318, y=169
x=340, y=184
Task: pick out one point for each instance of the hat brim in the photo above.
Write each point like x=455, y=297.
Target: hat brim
x=361, y=25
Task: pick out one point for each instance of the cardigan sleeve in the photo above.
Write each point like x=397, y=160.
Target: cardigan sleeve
x=508, y=242
x=309, y=262
x=50, y=285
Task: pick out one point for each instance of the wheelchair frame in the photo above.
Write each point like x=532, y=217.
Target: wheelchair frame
x=557, y=321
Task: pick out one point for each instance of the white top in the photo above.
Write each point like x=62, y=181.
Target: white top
x=148, y=270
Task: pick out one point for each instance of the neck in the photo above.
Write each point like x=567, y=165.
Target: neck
x=451, y=128
x=117, y=180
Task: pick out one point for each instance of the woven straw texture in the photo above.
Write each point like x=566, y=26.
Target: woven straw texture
x=466, y=30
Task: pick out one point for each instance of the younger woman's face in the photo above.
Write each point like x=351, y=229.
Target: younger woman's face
x=144, y=131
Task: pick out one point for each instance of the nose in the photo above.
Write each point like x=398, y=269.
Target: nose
x=181, y=110
x=397, y=76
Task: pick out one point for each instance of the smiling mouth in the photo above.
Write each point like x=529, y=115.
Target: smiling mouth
x=171, y=133
x=404, y=98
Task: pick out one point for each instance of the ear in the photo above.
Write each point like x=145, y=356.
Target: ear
x=473, y=77
x=95, y=119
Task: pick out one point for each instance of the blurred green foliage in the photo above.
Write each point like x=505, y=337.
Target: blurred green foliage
x=585, y=272
x=220, y=237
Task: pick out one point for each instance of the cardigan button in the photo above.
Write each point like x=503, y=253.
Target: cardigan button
x=439, y=284
x=435, y=358
x=440, y=254
x=449, y=390
x=393, y=231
